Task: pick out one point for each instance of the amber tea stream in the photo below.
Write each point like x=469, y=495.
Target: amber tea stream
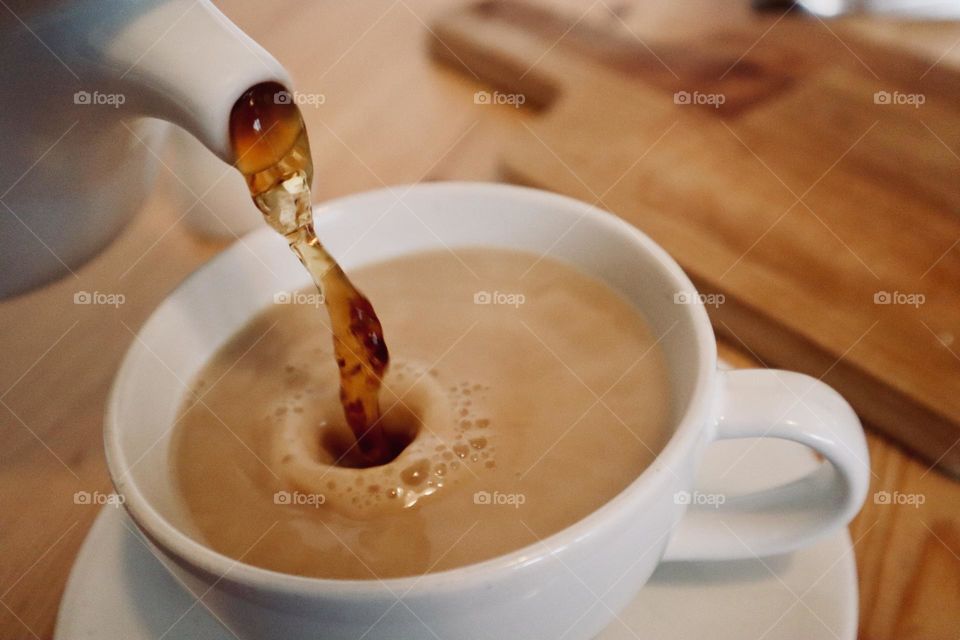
x=272, y=151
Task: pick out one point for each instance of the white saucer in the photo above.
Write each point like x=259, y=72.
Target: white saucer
x=118, y=590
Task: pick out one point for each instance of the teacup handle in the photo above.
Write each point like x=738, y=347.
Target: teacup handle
x=792, y=406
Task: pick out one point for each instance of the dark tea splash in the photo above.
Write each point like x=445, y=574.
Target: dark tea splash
x=272, y=151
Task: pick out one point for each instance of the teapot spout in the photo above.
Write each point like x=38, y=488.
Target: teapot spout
x=185, y=62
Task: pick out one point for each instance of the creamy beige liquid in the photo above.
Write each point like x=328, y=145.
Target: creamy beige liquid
x=499, y=393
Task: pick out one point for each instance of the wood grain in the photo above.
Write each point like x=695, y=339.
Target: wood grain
x=788, y=190
x=405, y=121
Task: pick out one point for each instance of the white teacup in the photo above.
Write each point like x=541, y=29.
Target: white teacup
x=571, y=585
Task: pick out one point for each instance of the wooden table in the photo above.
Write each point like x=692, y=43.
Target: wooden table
x=390, y=117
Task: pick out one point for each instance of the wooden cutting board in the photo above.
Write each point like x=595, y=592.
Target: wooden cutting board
x=826, y=214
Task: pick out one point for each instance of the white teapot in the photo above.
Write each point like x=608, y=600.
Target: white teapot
x=86, y=86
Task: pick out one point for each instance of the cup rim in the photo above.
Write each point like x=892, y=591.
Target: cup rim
x=196, y=554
